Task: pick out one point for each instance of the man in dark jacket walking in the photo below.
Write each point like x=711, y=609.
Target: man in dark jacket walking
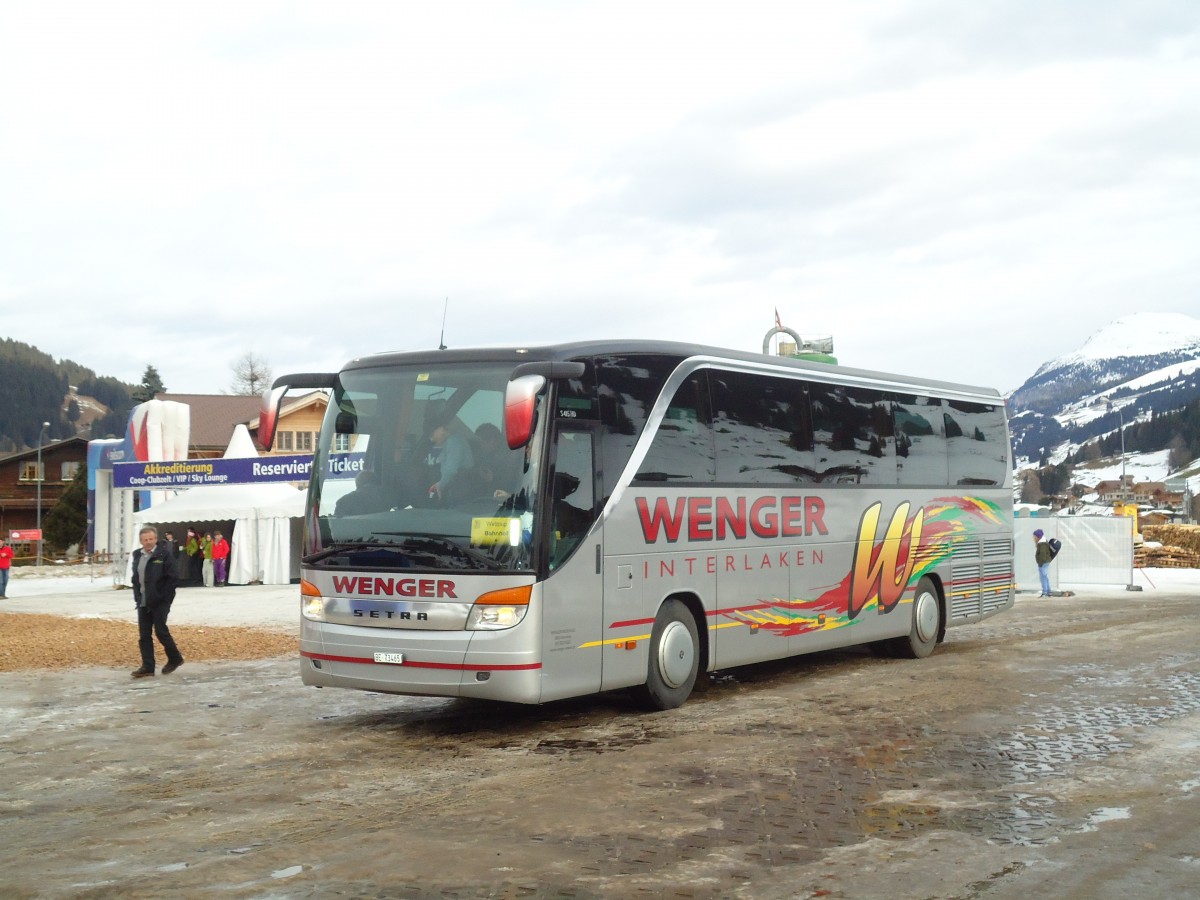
x=153, y=592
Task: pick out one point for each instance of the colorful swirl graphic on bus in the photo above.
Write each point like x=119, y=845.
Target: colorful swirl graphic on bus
x=885, y=565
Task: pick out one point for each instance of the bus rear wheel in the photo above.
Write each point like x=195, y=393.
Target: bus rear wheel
x=674, y=659
x=926, y=624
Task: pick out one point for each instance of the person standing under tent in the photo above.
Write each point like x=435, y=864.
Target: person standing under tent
x=182, y=561
x=206, y=550
x=220, y=556
x=194, y=556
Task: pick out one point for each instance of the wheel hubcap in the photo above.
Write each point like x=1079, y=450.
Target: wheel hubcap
x=926, y=617
x=676, y=654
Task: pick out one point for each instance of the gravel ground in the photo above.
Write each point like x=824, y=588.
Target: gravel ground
x=1049, y=752
x=61, y=618
x=35, y=641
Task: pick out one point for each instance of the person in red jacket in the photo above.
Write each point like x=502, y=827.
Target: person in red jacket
x=220, y=555
x=6, y=556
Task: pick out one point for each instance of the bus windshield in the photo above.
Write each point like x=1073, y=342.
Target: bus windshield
x=412, y=470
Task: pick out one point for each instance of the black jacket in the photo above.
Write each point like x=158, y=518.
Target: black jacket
x=160, y=577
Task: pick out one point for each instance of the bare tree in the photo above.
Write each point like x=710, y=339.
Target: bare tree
x=1178, y=455
x=251, y=375
x=1031, y=490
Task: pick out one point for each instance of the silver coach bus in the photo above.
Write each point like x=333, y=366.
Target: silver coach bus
x=538, y=523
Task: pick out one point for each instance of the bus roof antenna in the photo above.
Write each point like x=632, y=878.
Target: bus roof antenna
x=442, y=339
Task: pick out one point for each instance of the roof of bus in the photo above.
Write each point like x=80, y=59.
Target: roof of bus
x=582, y=349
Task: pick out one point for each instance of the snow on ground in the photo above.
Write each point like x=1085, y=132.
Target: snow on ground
x=93, y=595
x=277, y=607
x=1142, y=467
x=68, y=581
x=1150, y=580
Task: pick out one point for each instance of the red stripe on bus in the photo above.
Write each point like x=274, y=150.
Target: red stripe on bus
x=362, y=660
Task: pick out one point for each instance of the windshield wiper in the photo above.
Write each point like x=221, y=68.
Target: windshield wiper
x=349, y=547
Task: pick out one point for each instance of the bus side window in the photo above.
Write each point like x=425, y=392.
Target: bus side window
x=763, y=432
x=920, y=442
x=853, y=433
x=682, y=450
x=975, y=437
x=626, y=388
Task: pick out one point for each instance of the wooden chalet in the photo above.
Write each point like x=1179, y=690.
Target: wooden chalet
x=19, y=481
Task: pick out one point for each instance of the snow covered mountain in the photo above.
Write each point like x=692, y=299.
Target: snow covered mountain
x=1139, y=365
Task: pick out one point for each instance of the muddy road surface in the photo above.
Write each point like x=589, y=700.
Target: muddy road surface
x=1052, y=751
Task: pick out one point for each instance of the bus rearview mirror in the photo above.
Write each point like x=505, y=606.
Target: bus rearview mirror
x=520, y=407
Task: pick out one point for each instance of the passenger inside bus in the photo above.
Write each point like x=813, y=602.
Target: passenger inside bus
x=450, y=461
x=496, y=467
x=367, y=496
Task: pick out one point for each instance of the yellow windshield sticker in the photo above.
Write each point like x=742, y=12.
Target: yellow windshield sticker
x=487, y=532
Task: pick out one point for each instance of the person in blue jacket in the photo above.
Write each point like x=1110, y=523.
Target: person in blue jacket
x=449, y=456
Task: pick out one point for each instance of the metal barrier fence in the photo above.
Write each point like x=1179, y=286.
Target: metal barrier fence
x=53, y=561
x=1096, y=550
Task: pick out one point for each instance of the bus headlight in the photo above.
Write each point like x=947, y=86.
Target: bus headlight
x=496, y=610
x=312, y=604
x=490, y=618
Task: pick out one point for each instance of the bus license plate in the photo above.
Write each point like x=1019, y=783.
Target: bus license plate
x=395, y=659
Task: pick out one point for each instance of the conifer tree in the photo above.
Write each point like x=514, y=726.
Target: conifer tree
x=150, y=387
x=66, y=522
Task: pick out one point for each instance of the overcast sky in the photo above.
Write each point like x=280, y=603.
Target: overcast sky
x=961, y=190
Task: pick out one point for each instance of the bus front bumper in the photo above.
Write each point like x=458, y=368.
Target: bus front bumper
x=431, y=663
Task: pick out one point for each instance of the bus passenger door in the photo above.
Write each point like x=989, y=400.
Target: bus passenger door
x=572, y=594
x=627, y=651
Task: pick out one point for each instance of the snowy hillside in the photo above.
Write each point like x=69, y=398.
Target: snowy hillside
x=1134, y=336
x=1138, y=366
x=1125, y=394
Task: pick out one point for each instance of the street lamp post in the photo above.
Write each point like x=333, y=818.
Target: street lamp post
x=1124, y=493
x=1120, y=418
x=41, y=437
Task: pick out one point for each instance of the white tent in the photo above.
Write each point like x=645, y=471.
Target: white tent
x=265, y=544
x=263, y=535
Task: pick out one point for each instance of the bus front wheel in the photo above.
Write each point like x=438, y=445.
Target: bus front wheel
x=674, y=658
